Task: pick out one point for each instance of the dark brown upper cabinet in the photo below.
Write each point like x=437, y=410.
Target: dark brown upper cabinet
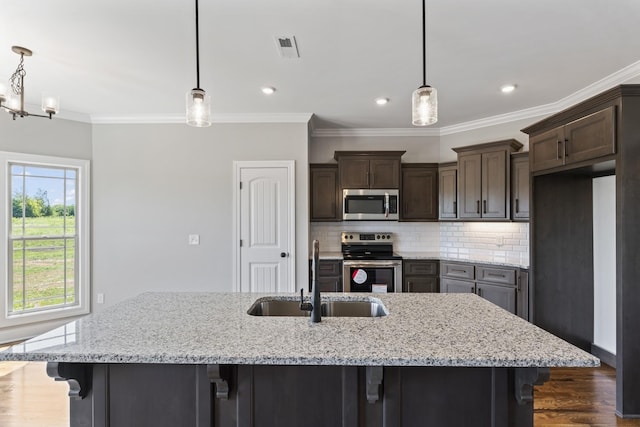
x=587, y=138
x=484, y=180
x=369, y=169
x=448, y=194
x=520, y=186
x=325, y=192
x=419, y=195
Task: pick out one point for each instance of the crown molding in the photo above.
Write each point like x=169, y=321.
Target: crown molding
x=215, y=118
x=337, y=133
x=619, y=77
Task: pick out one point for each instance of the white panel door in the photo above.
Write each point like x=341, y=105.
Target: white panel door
x=265, y=220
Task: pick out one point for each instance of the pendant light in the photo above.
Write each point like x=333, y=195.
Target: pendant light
x=15, y=101
x=198, y=102
x=425, y=98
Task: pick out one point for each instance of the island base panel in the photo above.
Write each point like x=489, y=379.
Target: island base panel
x=161, y=395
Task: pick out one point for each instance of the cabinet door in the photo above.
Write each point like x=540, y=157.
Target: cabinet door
x=453, y=286
x=494, y=185
x=448, y=180
x=546, y=149
x=330, y=284
x=590, y=137
x=325, y=194
x=422, y=284
x=354, y=172
x=462, y=271
x=419, y=196
x=520, y=188
x=502, y=296
x=384, y=173
x=469, y=189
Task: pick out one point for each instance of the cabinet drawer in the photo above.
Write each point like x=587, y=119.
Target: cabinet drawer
x=330, y=268
x=464, y=271
x=503, y=276
x=427, y=268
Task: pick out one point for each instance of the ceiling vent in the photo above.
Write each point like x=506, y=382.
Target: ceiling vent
x=287, y=47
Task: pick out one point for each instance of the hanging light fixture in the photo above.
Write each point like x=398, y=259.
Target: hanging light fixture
x=14, y=103
x=425, y=98
x=198, y=102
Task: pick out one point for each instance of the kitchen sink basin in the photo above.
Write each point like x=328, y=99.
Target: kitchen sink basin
x=276, y=307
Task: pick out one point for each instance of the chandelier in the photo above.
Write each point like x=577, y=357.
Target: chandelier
x=14, y=102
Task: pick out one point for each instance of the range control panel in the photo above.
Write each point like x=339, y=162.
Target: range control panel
x=356, y=237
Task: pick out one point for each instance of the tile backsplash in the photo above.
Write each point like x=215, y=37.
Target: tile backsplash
x=501, y=242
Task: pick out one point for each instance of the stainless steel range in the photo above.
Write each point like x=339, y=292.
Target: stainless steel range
x=370, y=265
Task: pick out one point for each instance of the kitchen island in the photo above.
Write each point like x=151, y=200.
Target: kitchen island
x=198, y=359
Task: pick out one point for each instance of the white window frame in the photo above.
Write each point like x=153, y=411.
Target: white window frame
x=83, y=216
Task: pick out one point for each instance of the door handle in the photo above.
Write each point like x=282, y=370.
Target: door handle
x=283, y=254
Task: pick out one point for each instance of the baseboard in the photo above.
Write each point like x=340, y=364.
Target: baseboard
x=604, y=356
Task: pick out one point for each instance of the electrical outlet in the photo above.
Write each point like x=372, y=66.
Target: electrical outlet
x=499, y=240
x=100, y=298
x=194, y=239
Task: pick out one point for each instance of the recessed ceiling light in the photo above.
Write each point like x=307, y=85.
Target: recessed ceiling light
x=382, y=101
x=508, y=88
x=268, y=90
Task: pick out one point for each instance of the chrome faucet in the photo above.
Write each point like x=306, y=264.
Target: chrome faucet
x=314, y=306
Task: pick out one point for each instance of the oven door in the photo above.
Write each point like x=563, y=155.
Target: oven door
x=372, y=275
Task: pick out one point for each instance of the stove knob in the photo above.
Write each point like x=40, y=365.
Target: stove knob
x=378, y=236
x=384, y=237
x=388, y=236
x=351, y=236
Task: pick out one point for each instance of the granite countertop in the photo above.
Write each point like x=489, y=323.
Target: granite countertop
x=214, y=328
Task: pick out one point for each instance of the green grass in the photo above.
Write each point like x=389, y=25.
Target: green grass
x=39, y=265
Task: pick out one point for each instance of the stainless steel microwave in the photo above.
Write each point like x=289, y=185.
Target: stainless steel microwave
x=370, y=204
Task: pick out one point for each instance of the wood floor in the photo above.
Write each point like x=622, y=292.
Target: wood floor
x=578, y=397
x=572, y=397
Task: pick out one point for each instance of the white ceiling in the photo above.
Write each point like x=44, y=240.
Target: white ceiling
x=134, y=60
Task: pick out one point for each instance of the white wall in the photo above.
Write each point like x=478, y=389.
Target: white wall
x=154, y=185
x=604, y=263
x=36, y=135
x=423, y=149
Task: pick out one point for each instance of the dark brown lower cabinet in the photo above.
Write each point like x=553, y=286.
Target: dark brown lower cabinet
x=506, y=287
x=329, y=275
x=502, y=296
x=420, y=275
x=165, y=395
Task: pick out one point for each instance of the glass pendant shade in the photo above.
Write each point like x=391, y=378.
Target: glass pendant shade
x=424, y=106
x=50, y=104
x=198, y=108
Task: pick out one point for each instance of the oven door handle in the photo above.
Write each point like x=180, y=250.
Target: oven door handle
x=373, y=263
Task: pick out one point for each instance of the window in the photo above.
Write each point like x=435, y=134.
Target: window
x=46, y=238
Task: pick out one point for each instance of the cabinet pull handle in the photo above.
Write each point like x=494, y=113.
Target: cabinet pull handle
x=458, y=270
x=566, y=154
x=477, y=206
x=558, y=154
x=496, y=275
x=479, y=292
x=409, y=286
x=455, y=208
x=517, y=205
x=484, y=206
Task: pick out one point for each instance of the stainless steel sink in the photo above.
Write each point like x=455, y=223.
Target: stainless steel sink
x=275, y=307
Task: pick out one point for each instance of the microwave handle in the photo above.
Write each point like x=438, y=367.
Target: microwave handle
x=386, y=205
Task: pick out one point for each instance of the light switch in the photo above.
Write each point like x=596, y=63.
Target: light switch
x=194, y=239
x=100, y=299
